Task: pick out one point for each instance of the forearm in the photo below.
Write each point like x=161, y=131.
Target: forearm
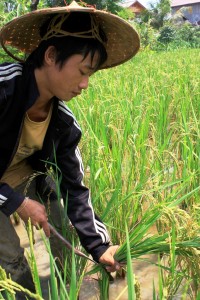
x=9, y=199
x=92, y=232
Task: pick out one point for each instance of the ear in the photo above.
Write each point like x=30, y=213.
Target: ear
x=50, y=55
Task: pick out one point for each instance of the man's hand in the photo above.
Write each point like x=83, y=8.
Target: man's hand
x=107, y=258
x=36, y=212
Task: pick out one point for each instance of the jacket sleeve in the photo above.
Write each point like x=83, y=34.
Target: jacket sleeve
x=92, y=232
x=9, y=199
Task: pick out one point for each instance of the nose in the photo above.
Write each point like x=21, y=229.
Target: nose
x=83, y=85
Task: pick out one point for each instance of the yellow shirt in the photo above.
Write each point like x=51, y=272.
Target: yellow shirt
x=31, y=140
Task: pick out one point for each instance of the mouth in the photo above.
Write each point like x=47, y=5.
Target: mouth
x=76, y=94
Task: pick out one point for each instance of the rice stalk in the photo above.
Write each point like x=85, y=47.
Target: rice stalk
x=175, y=241
x=65, y=283
x=32, y=260
x=73, y=287
x=9, y=287
x=130, y=275
x=103, y=283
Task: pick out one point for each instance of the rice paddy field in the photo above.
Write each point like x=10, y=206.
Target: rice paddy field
x=141, y=151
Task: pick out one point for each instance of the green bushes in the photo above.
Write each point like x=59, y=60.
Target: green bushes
x=167, y=34
x=182, y=36
x=170, y=36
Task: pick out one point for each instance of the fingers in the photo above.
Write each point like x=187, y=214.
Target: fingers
x=37, y=214
x=46, y=229
x=113, y=268
x=108, y=259
x=44, y=225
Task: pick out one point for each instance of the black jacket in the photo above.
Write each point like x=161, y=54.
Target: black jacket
x=18, y=92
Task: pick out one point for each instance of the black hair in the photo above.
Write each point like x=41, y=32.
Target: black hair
x=67, y=46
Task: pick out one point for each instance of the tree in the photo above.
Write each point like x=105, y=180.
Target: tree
x=11, y=9
x=161, y=13
x=157, y=14
x=109, y=5
x=167, y=34
x=126, y=14
x=34, y=4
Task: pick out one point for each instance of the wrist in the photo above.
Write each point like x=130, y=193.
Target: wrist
x=98, y=251
x=23, y=205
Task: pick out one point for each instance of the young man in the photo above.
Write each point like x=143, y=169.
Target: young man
x=67, y=46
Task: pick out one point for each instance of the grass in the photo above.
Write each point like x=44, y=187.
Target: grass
x=141, y=150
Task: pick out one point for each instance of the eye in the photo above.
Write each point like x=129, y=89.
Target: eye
x=82, y=73
x=87, y=73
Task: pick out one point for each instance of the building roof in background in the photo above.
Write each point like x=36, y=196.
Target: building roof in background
x=128, y=3
x=183, y=2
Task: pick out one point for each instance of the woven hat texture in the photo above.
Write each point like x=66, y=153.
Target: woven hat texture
x=23, y=32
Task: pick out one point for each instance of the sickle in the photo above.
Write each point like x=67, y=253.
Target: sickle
x=68, y=245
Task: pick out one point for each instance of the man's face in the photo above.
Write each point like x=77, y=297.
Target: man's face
x=69, y=81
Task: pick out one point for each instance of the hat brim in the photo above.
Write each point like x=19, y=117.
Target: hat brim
x=122, y=39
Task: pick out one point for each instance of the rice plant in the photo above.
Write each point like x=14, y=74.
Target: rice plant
x=141, y=143
x=141, y=148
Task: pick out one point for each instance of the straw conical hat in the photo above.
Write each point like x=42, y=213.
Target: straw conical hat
x=23, y=32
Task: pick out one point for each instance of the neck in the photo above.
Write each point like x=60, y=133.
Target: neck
x=45, y=95
x=39, y=112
